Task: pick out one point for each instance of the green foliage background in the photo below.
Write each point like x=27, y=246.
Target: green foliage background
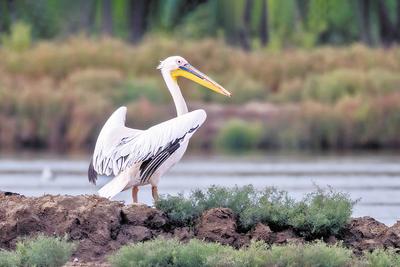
x=289, y=23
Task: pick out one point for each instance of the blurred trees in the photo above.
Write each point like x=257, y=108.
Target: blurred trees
x=246, y=23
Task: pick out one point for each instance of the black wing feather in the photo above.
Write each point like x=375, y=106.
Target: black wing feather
x=148, y=167
x=92, y=174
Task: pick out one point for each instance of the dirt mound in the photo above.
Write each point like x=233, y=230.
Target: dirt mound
x=219, y=225
x=102, y=226
x=367, y=234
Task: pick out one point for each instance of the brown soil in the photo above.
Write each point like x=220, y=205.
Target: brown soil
x=102, y=226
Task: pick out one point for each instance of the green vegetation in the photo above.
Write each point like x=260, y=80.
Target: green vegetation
x=237, y=135
x=321, y=213
x=314, y=254
x=9, y=259
x=41, y=251
x=249, y=24
x=383, y=258
x=19, y=38
x=163, y=252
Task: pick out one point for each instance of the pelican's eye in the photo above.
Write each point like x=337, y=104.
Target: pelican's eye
x=179, y=62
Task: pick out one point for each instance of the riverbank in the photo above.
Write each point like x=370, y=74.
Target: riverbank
x=100, y=226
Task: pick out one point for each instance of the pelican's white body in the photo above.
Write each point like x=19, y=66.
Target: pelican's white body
x=121, y=151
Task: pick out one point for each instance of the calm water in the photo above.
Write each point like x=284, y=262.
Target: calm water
x=374, y=180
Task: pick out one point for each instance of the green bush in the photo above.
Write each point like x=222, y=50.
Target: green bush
x=239, y=136
x=168, y=252
x=322, y=213
x=163, y=252
x=20, y=37
x=197, y=253
x=40, y=251
x=158, y=252
x=181, y=211
x=314, y=254
x=382, y=258
x=272, y=207
x=255, y=255
x=9, y=259
x=319, y=214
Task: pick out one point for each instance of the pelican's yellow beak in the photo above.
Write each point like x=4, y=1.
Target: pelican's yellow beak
x=191, y=73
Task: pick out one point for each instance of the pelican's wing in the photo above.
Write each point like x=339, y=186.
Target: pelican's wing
x=119, y=147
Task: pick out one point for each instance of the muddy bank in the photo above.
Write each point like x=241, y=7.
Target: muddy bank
x=102, y=226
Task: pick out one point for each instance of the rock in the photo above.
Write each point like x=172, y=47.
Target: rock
x=135, y=234
x=100, y=225
x=391, y=238
x=331, y=240
x=6, y=193
x=363, y=234
x=218, y=225
x=143, y=215
x=286, y=237
x=183, y=234
x=262, y=232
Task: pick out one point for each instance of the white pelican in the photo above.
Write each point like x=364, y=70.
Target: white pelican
x=141, y=157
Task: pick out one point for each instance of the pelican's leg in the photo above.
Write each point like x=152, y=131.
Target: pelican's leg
x=154, y=192
x=135, y=191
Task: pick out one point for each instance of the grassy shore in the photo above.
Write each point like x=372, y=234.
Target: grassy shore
x=53, y=252
x=215, y=227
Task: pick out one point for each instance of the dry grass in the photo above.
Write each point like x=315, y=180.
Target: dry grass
x=57, y=94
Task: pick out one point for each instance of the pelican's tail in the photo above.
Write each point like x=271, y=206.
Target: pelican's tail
x=115, y=186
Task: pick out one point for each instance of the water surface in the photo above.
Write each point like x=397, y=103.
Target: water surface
x=373, y=179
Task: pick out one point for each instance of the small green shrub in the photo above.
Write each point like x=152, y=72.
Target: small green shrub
x=237, y=198
x=20, y=37
x=9, y=259
x=272, y=206
x=181, y=211
x=40, y=251
x=314, y=254
x=255, y=255
x=239, y=136
x=321, y=213
x=158, y=252
x=382, y=258
x=168, y=252
x=197, y=253
x=44, y=251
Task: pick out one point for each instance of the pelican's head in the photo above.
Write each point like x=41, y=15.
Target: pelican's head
x=179, y=67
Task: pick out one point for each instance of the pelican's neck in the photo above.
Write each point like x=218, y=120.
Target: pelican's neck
x=175, y=91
